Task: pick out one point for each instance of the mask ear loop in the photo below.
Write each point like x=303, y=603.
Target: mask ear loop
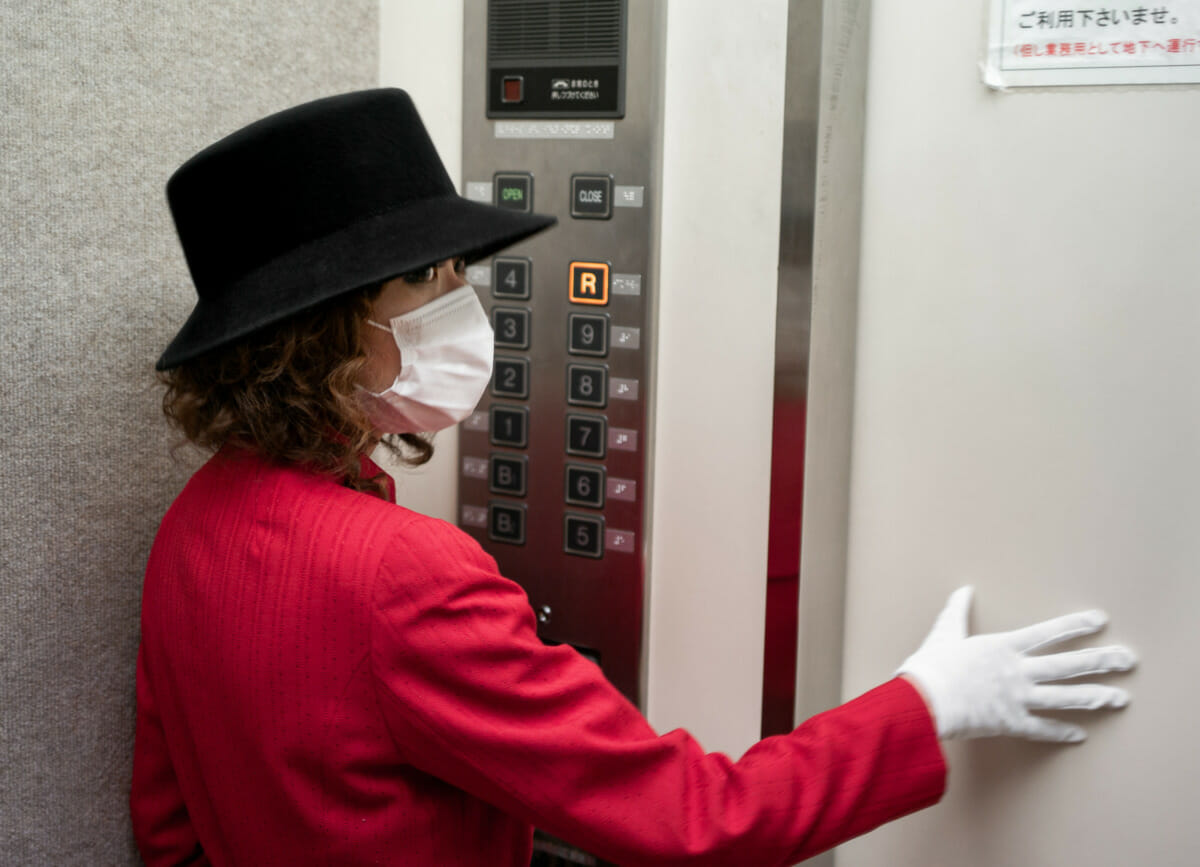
x=406, y=359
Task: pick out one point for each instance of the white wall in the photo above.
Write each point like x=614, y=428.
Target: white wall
x=1028, y=419
x=421, y=51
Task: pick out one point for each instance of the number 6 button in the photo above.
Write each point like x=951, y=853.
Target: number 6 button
x=585, y=486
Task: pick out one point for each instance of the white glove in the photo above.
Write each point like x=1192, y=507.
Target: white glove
x=988, y=684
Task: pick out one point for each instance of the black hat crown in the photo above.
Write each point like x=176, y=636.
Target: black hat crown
x=314, y=202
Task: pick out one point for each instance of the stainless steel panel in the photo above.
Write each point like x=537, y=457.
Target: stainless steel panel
x=593, y=603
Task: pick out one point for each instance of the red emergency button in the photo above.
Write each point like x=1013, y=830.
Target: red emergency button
x=589, y=282
x=513, y=88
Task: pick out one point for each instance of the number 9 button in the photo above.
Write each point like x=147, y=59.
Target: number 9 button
x=587, y=334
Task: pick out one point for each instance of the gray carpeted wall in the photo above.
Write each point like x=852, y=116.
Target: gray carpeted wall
x=100, y=102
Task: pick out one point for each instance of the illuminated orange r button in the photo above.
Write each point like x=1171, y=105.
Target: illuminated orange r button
x=589, y=283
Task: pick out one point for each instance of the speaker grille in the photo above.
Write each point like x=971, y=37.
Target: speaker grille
x=562, y=30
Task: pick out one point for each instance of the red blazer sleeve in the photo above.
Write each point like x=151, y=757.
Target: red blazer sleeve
x=472, y=696
x=161, y=825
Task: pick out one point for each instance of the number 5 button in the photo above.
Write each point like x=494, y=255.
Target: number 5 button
x=583, y=535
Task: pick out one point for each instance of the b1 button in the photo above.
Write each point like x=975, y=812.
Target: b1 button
x=506, y=523
x=591, y=197
x=507, y=474
x=584, y=536
x=589, y=282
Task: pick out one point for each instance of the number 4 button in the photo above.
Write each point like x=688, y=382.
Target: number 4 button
x=510, y=278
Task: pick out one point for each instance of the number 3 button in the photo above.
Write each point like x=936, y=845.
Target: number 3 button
x=511, y=328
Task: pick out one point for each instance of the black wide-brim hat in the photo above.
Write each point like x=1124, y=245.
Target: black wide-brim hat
x=314, y=202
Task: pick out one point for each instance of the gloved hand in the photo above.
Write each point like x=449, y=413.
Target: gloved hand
x=988, y=684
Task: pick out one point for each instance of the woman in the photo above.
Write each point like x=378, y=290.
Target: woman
x=326, y=677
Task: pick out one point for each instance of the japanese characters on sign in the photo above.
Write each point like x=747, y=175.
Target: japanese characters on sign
x=1042, y=42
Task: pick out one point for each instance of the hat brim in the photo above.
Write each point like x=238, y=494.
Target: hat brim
x=359, y=255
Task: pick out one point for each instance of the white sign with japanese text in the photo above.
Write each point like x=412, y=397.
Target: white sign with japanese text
x=1060, y=42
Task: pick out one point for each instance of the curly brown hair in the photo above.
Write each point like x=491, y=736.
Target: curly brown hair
x=288, y=392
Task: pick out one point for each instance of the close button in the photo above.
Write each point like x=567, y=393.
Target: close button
x=591, y=197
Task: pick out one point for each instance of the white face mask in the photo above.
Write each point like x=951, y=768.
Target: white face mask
x=445, y=364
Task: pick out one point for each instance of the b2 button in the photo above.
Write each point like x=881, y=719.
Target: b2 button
x=506, y=523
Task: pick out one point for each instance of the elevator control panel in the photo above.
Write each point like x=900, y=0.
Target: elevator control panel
x=552, y=481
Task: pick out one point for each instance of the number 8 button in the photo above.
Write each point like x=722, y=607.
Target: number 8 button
x=587, y=385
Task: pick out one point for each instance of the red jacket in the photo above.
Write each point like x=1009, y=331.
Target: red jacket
x=328, y=678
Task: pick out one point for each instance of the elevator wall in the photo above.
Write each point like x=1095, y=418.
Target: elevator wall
x=1027, y=415
x=101, y=103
